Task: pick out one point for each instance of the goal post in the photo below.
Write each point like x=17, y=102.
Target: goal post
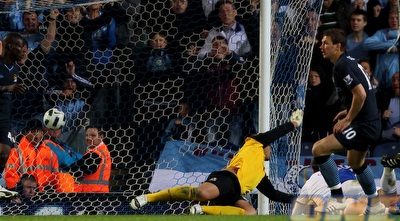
x=265, y=82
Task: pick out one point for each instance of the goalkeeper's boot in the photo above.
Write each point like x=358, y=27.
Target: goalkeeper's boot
x=378, y=209
x=5, y=193
x=195, y=210
x=333, y=207
x=138, y=202
x=392, y=162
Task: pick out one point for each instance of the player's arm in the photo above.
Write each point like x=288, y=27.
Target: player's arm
x=270, y=136
x=51, y=31
x=87, y=165
x=13, y=88
x=265, y=187
x=359, y=96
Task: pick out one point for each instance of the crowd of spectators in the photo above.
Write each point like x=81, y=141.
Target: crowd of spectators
x=72, y=54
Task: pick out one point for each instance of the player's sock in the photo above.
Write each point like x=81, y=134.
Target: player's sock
x=175, y=193
x=222, y=210
x=388, y=180
x=366, y=178
x=329, y=171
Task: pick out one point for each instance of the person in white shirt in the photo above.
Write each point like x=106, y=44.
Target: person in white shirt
x=315, y=191
x=231, y=30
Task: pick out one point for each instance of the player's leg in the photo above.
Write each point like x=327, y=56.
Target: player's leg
x=209, y=190
x=365, y=177
x=206, y=191
x=242, y=207
x=356, y=160
x=388, y=181
x=322, y=151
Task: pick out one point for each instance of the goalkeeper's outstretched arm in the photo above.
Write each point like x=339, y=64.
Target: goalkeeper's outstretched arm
x=268, y=137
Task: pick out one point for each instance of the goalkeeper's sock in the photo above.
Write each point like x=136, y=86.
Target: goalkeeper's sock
x=222, y=210
x=175, y=193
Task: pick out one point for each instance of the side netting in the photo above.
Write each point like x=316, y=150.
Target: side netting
x=170, y=116
x=294, y=27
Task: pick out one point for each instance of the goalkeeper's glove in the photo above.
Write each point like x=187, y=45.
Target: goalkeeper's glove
x=297, y=116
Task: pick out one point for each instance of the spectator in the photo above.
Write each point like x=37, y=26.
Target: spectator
x=335, y=14
x=79, y=33
x=184, y=17
x=230, y=29
x=366, y=64
x=47, y=169
x=374, y=8
x=178, y=127
x=156, y=62
x=72, y=104
x=11, y=21
x=71, y=44
x=389, y=102
x=159, y=59
x=320, y=106
x=26, y=188
x=33, y=70
x=214, y=87
x=57, y=156
x=385, y=13
x=94, y=169
x=100, y=41
x=387, y=62
x=22, y=157
x=32, y=30
x=359, y=4
x=209, y=6
x=358, y=21
x=13, y=52
x=71, y=101
x=250, y=18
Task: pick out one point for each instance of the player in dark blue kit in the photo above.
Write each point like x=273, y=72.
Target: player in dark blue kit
x=14, y=50
x=357, y=127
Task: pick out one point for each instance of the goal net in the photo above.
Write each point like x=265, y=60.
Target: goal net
x=170, y=115
x=294, y=27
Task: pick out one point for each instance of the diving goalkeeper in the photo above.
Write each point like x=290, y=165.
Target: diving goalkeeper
x=244, y=173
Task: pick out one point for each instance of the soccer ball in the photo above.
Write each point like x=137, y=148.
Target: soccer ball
x=54, y=119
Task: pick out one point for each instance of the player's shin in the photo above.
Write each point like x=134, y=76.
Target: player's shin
x=222, y=210
x=175, y=193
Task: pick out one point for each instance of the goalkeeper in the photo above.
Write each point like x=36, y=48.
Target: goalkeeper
x=244, y=173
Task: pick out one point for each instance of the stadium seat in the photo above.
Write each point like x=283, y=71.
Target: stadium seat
x=306, y=148
x=387, y=148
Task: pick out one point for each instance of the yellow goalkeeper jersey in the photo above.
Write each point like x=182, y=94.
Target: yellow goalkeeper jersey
x=249, y=163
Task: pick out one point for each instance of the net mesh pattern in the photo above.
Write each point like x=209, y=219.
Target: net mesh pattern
x=134, y=92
